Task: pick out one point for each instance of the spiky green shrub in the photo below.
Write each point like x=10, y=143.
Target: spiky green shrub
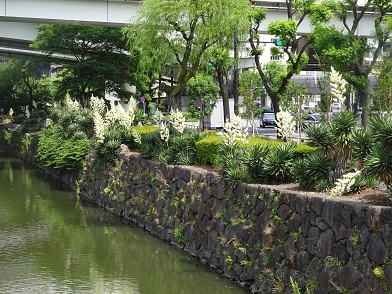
x=108, y=149
x=254, y=159
x=183, y=147
x=278, y=162
x=85, y=122
x=379, y=164
x=361, y=182
x=381, y=129
x=333, y=140
x=320, y=136
x=361, y=144
x=312, y=171
x=231, y=164
x=150, y=145
x=180, y=148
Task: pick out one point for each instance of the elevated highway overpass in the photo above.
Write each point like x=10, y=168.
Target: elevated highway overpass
x=19, y=18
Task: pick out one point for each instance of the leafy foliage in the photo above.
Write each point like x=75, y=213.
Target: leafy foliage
x=56, y=151
x=100, y=58
x=183, y=32
x=203, y=94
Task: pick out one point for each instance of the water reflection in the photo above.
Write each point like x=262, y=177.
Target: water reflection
x=49, y=244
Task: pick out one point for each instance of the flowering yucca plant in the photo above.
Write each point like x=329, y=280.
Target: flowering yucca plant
x=177, y=120
x=233, y=132
x=98, y=104
x=286, y=124
x=116, y=118
x=344, y=184
x=70, y=104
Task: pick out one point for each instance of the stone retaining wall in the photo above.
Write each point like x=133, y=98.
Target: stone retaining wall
x=257, y=235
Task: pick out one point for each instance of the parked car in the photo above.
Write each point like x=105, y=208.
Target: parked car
x=268, y=119
x=311, y=119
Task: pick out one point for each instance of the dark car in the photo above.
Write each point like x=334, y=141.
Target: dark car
x=311, y=119
x=268, y=119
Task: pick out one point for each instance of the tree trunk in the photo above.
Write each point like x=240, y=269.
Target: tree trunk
x=365, y=99
x=225, y=95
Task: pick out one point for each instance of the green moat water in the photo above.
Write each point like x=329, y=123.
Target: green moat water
x=50, y=243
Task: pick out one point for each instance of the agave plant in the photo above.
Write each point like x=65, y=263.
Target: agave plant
x=254, y=158
x=150, y=145
x=320, y=136
x=342, y=128
x=361, y=143
x=379, y=164
x=381, y=128
x=85, y=119
x=310, y=171
x=333, y=140
x=229, y=160
x=278, y=162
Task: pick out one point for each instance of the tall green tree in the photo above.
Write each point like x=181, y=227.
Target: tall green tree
x=20, y=86
x=204, y=95
x=382, y=95
x=250, y=88
x=293, y=100
x=98, y=60
x=348, y=50
x=177, y=33
x=222, y=64
x=292, y=48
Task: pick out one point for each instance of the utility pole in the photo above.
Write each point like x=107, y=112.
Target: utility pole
x=235, y=78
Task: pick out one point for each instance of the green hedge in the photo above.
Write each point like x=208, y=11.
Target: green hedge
x=207, y=148
x=143, y=130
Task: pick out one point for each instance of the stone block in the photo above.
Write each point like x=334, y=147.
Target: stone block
x=340, y=230
x=284, y=211
x=325, y=244
x=313, y=236
x=317, y=204
x=328, y=212
x=302, y=260
x=349, y=277
x=376, y=250
x=321, y=224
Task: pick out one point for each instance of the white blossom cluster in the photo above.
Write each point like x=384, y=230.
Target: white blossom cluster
x=111, y=115
x=136, y=136
x=99, y=126
x=285, y=124
x=125, y=118
x=338, y=85
x=70, y=104
x=97, y=104
x=116, y=113
x=177, y=120
x=344, y=184
x=164, y=131
x=234, y=132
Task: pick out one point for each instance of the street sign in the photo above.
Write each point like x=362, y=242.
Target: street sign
x=142, y=99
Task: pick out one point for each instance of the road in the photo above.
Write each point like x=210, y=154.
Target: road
x=271, y=132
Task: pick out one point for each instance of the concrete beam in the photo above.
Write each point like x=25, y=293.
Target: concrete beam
x=91, y=12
